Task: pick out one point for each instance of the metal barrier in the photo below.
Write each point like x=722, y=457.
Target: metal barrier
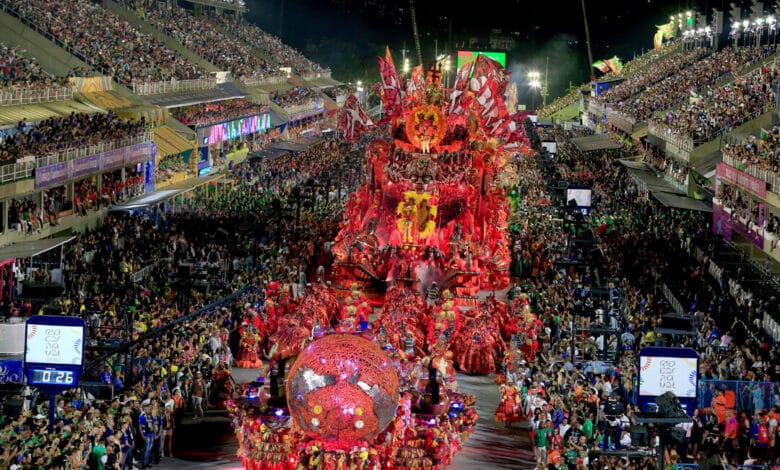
x=29, y=95
x=173, y=86
x=22, y=170
x=676, y=305
x=747, y=396
x=144, y=272
x=666, y=133
x=263, y=81
x=770, y=177
x=99, y=390
x=16, y=171
x=72, y=153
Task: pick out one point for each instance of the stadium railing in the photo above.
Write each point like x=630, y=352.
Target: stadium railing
x=70, y=154
x=770, y=177
x=24, y=169
x=173, y=86
x=16, y=171
x=664, y=132
x=26, y=95
x=263, y=81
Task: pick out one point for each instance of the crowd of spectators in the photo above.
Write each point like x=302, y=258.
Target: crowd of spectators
x=694, y=80
x=559, y=103
x=272, y=46
x=638, y=65
x=249, y=243
x=218, y=111
x=20, y=71
x=339, y=91
x=721, y=109
x=671, y=167
x=197, y=34
x=761, y=152
x=636, y=238
x=103, y=40
x=295, y=96
x=669, y=65
x=76, y=130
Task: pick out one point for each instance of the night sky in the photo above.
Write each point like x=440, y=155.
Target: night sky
x=347, y=34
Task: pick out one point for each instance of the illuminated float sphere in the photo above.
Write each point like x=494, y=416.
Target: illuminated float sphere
x=342, y=388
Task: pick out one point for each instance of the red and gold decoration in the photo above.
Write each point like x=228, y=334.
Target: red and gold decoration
x=420, y=239
x=343, y=389
x=426, y=127
x=434, y=208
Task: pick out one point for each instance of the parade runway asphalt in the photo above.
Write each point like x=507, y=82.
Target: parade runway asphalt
x=210, y=442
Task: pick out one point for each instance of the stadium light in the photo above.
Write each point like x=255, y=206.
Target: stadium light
x=407, y=67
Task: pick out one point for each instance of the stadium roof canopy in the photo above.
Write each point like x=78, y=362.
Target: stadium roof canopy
x=593, y=143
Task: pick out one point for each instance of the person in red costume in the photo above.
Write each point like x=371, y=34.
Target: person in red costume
x=510, y=408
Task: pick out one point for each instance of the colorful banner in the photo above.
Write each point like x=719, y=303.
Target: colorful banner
x=724, y=224
x=52, y=174
x=614, y=64
x=229, y=130
x=665, y=32
x=91, y=84
x=742, y=179
x=11, y=369
x=82, y=166
x=601, y=66
x=85, y=165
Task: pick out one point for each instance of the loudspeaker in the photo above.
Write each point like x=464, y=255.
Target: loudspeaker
x=669, y=406
x=676, y=321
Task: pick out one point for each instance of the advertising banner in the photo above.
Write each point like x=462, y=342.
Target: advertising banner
x=85, y=165
x=52, y=174
x=742, y=179
x=724, y=224
x=82, y=166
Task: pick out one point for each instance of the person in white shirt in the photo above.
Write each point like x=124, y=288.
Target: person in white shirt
x=564, y=426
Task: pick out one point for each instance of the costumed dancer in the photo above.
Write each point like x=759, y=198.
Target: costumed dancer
x=510, y=407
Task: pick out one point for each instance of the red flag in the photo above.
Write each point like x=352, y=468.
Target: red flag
x=391, y=89
x=459, y=87
x=416, y=83
x=487, y=67
x=353, y=120
x=493, y=113
x=389, y=57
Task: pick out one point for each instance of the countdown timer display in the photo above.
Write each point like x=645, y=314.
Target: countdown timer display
x=67, y=378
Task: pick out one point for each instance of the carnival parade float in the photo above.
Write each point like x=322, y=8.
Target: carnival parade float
x=362, y=373
x=434, y=208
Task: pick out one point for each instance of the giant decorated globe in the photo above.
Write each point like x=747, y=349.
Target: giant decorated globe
x=342, y=388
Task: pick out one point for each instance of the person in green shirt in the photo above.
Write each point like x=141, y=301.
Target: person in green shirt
x=96, y=456
x=541, y=434
x=587, y=427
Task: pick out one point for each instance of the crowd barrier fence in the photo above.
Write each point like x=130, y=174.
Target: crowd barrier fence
x=173, y=86
x=32, y=95
x=741, y=395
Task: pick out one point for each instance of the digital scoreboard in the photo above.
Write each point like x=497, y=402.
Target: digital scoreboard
x=53, y=355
